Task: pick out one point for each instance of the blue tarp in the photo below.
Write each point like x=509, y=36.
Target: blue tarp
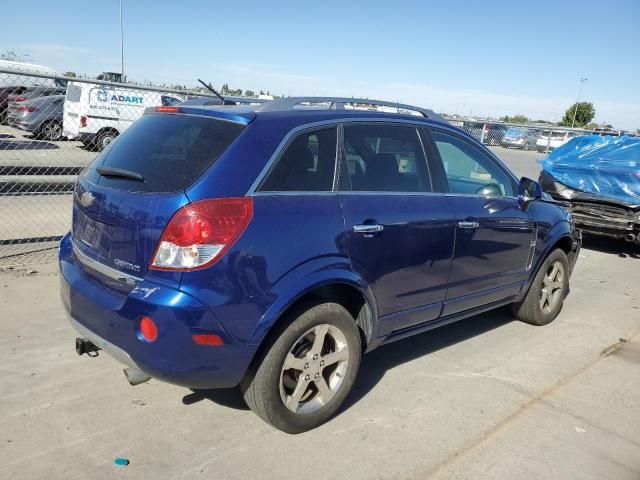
x=608, y=166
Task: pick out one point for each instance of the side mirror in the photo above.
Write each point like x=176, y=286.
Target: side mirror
x=528, y=191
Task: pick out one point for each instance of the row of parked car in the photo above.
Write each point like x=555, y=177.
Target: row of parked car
x=521, y=137
x=77, y=111
x=34, y=109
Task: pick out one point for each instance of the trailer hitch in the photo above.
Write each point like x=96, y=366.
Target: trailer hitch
x=84, y=345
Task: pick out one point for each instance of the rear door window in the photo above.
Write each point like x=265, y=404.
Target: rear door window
x=307, y=164
x=385, y=158
x=169, y=151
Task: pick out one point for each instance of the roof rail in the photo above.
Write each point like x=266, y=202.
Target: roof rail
x=338, y=103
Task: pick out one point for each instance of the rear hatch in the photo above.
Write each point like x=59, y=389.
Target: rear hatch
x=126, y=197
x=71, y=115
x=515, y=133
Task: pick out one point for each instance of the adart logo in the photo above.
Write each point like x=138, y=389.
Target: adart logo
x=104, y=96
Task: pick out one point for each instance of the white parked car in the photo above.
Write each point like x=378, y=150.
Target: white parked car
x=558, y=138
x=96, y=114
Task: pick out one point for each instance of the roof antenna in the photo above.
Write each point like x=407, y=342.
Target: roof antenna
x=210, y=88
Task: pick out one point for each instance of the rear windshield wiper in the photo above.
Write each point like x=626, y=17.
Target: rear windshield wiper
x=119, y=172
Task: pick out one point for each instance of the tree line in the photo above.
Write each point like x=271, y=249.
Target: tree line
x=580, y=115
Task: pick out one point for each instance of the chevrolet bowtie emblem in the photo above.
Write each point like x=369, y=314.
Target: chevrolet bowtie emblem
x=87, y=199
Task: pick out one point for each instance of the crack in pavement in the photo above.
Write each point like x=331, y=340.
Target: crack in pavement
x=509, y=420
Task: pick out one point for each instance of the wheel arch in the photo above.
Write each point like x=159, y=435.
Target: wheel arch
x=107, y=130
x=559, y=237
x=342, y=287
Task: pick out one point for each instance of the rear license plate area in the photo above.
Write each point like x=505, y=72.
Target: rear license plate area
x=93, y=234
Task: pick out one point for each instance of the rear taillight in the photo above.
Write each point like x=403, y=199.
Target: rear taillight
x=26, y=109
x=83, y=121
x=19, y=99
x=201, y=232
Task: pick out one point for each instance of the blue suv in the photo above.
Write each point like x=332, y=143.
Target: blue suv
x=268, y=247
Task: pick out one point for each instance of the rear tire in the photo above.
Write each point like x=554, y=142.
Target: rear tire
x=51, y=130
x=307, y=370
x=545, y=297
x=103, y=139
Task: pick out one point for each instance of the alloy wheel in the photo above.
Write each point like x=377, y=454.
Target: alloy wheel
x=314, y=369
x=552, y=283
x=52, y=131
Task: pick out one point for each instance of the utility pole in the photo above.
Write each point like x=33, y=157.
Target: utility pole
x=575, y=111
x=121, y=46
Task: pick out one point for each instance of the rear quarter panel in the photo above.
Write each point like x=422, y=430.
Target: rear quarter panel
x=290, y=236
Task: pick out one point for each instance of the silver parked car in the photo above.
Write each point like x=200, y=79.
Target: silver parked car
x=42, y=116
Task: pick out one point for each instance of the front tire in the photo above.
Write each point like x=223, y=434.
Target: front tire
x=308, y=370
x=545, y=297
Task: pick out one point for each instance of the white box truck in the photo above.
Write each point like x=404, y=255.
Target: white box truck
x=96, y=114
x=23, y=75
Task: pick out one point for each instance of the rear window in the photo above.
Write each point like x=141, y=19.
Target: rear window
x=73, y=93
x=169, y=151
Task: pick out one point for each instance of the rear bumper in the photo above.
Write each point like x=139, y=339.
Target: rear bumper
x=513, y=143
x=108, y=347
x=110, y=317
x=21, y=124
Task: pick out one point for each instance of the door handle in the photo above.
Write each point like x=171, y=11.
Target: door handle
x=469, y=224
x=368, y=229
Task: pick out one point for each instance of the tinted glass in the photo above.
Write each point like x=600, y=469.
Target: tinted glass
x=469, y=170
x=169, y=101
x=306, y=165
x=385, y=158
x=169, y=151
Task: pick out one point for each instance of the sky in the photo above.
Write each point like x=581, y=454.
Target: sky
x=490, y=58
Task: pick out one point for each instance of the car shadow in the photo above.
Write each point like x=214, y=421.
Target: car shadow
x=86, y=148
x=377, y=363
x=26, y=145
x=34, y=137
x=612, y=246
x=226, y=397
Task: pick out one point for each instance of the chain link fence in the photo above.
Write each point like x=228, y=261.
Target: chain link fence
x=51, y=127
x=535, y=138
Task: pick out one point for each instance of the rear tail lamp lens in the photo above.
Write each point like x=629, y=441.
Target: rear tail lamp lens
x=26, y=109
x=19, y=99
x=148, y=330
x=201, y=232
x=83, y=121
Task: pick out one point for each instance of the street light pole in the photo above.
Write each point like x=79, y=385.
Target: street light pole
x=575, y=110
x=121, y=46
